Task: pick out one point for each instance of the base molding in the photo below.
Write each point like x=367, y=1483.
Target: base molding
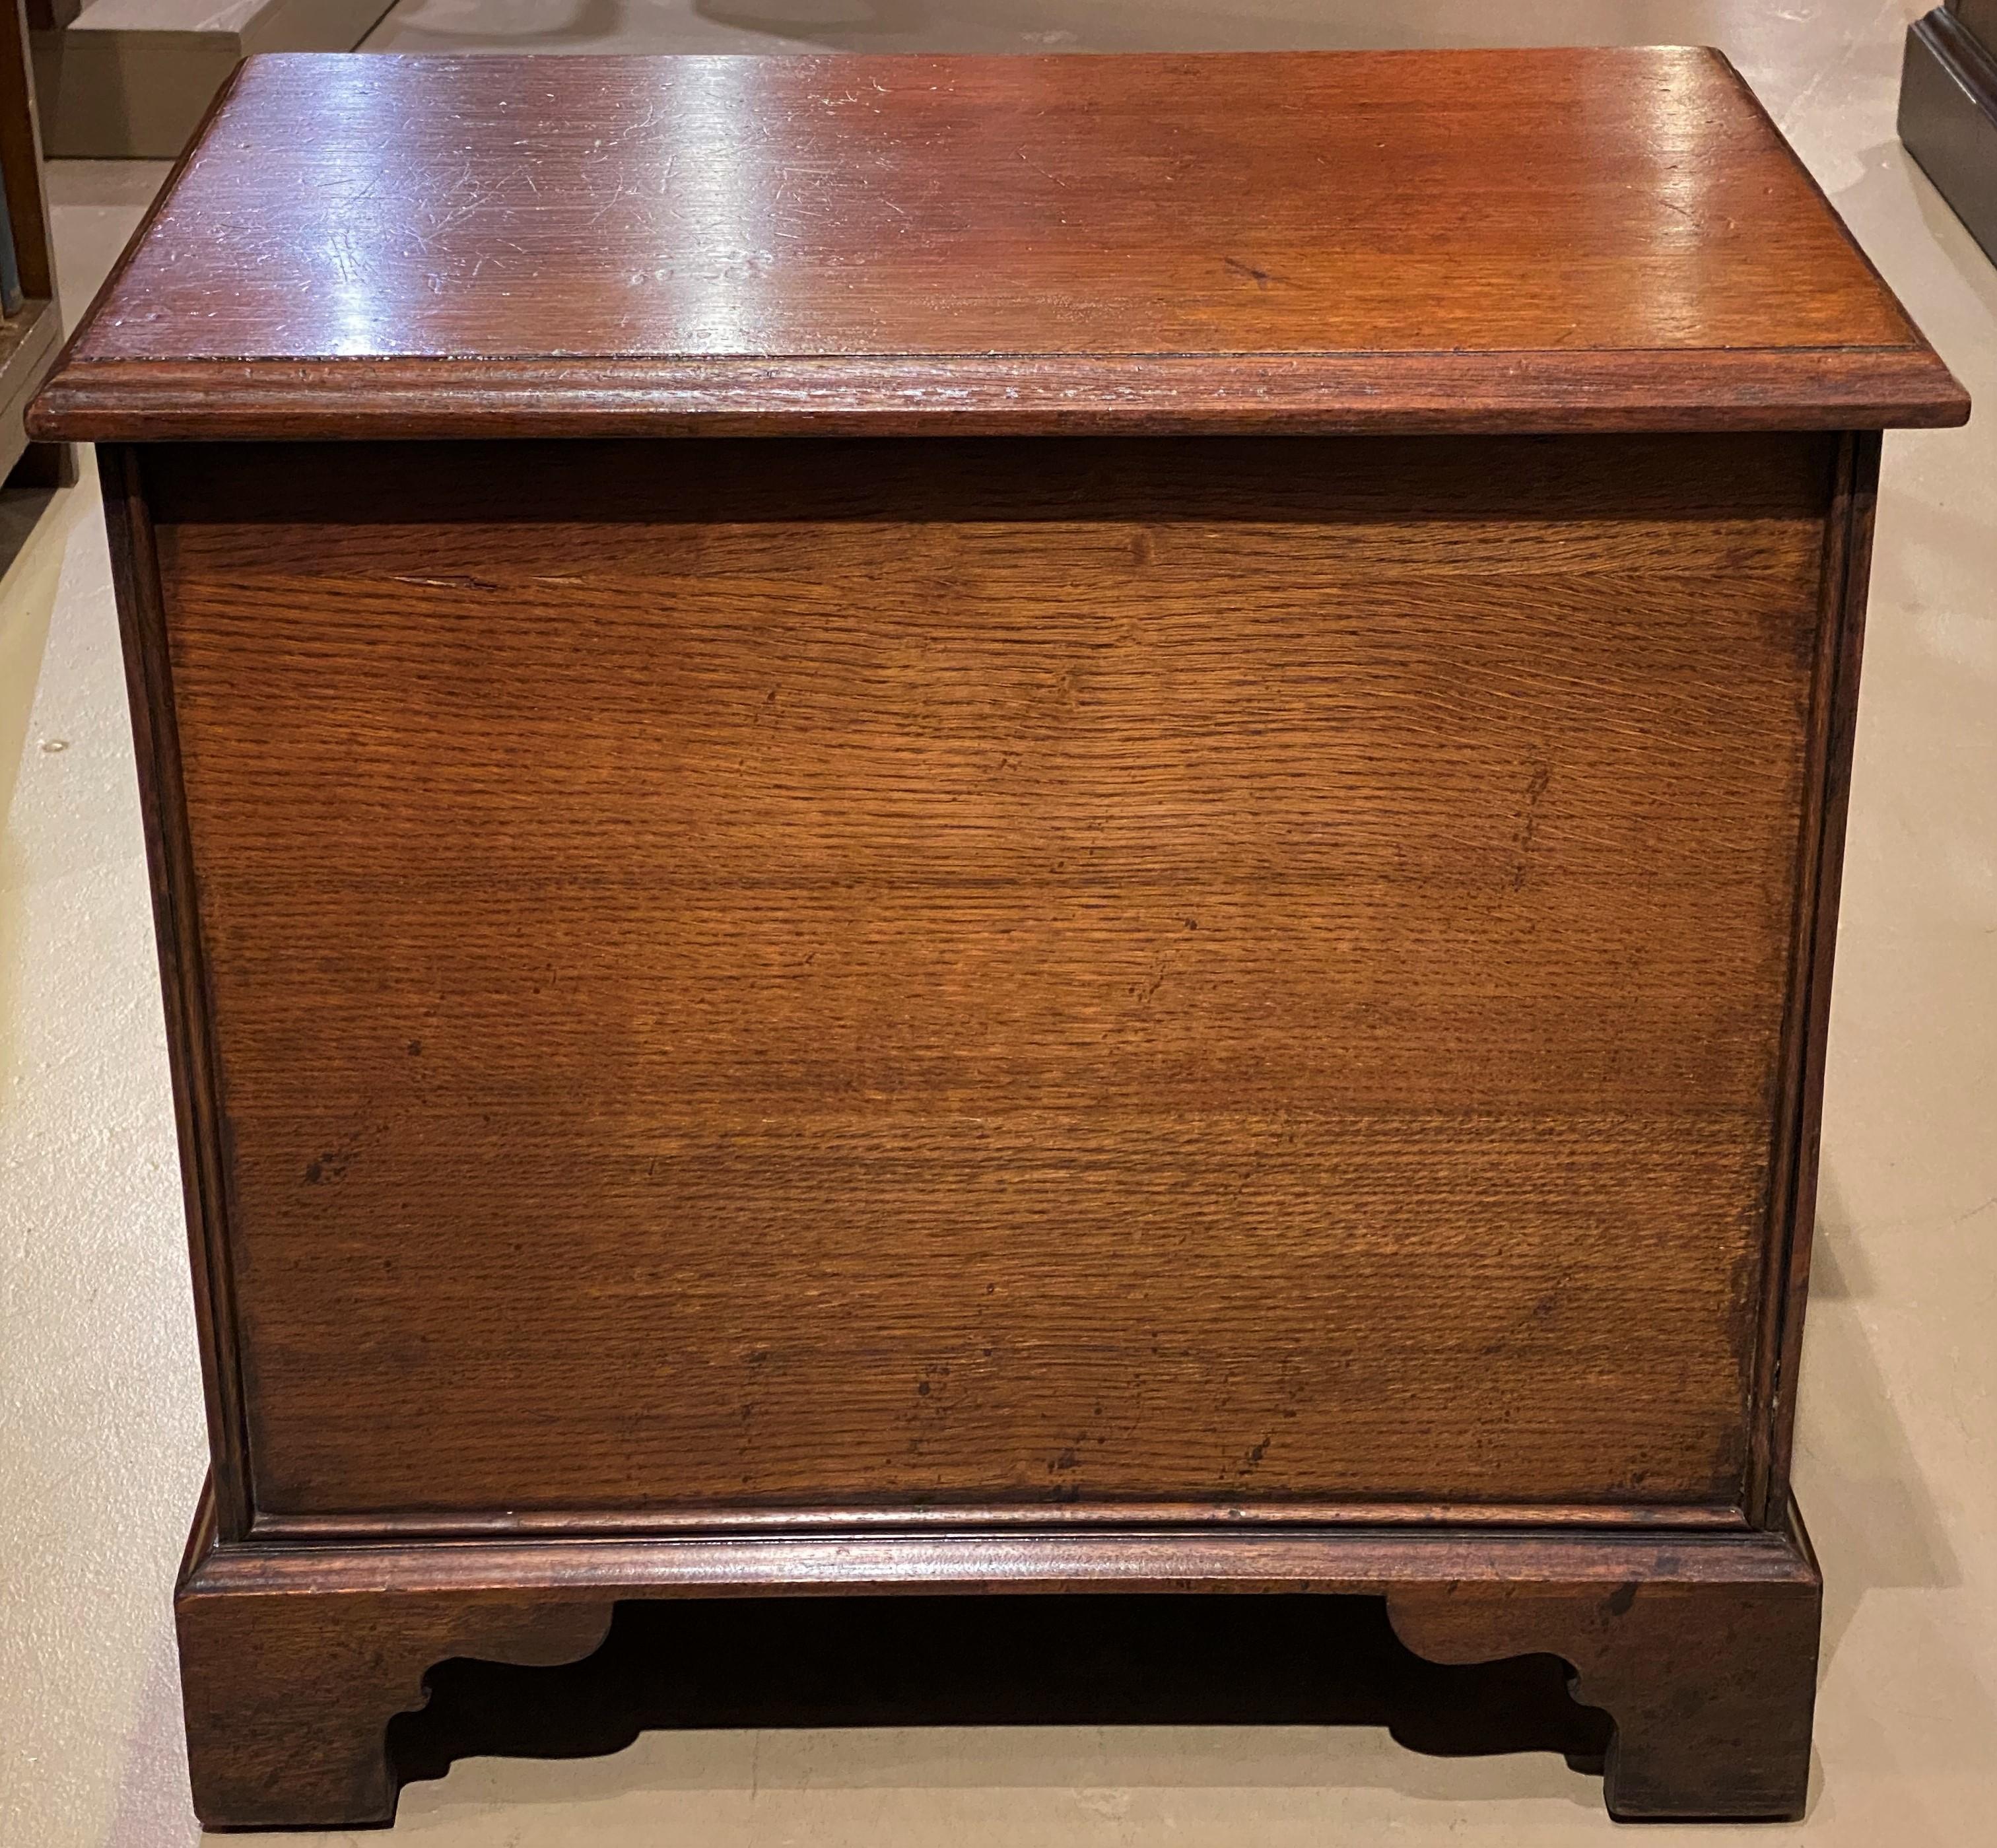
x=1711, y=1683
x=1702, y=1647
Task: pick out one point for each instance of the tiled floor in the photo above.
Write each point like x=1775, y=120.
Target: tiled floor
x=100, y=1442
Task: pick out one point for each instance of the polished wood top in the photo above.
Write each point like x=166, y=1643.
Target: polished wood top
x=1516, y=240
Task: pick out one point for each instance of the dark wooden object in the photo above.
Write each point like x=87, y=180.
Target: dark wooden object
x=50, y=15
x=30, y=337
x=1948, y=110
x=1201, y=965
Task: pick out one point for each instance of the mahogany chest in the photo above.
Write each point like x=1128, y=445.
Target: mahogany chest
x=1030, y=824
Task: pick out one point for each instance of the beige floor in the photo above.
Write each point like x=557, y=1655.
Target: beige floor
x=100, y=1439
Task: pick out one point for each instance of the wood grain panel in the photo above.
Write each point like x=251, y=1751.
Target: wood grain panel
x=1054, y=973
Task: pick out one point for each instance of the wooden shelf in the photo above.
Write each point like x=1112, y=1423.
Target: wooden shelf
x=29, y=340
x=24, y=337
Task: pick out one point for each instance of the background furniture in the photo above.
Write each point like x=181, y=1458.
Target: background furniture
x=29, y=337
x=132, y=79
x=1013, y=824
x=1948, y=109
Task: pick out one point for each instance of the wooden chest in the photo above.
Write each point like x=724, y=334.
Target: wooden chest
x=1038, y=823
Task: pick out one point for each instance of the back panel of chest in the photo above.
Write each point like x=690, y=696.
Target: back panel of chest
x=1112, y=976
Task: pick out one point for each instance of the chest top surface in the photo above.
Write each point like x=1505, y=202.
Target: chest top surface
x=1504, y=240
